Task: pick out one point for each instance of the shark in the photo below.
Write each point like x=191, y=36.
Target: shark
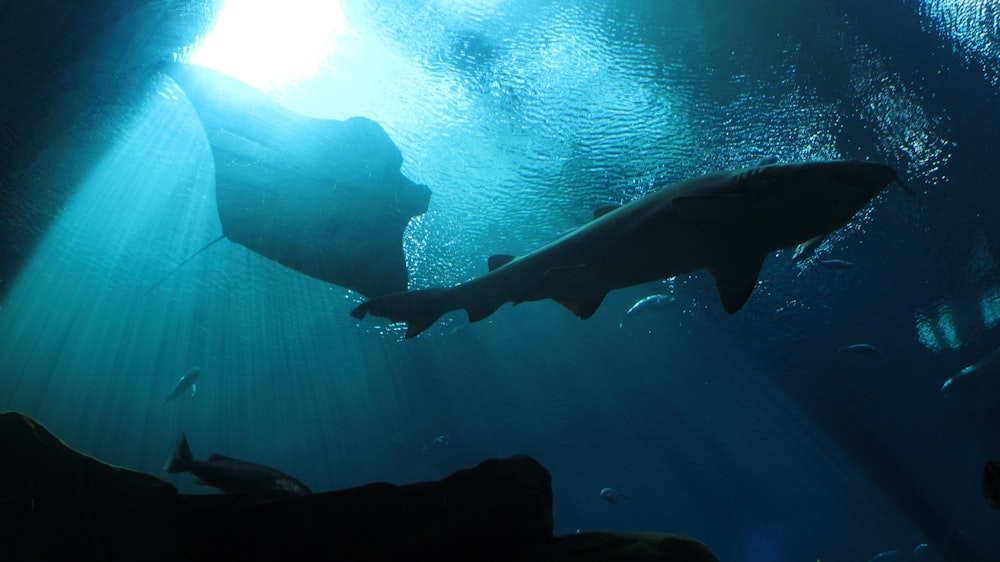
x=727, y=222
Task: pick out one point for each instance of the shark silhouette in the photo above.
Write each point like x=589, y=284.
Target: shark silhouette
x=323, y=197
x=726, y=222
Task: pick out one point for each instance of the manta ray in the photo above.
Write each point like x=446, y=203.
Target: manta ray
x=323, y=197
x=726, y=222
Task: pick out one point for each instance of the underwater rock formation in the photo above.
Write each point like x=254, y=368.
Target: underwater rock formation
x=57, y=504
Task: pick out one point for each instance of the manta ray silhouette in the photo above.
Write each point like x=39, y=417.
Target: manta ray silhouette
x=320, y=196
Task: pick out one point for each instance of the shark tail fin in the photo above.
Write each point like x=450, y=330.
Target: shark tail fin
x=418, y=309
x=179, y=456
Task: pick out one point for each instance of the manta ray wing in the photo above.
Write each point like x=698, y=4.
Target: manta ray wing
x=320, y=196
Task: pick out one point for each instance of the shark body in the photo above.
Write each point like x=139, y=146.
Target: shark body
x=726, y=222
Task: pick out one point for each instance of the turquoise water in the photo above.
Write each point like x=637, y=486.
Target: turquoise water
x=751, y=432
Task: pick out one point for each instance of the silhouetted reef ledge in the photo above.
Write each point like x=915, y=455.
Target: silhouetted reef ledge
x=58, y=504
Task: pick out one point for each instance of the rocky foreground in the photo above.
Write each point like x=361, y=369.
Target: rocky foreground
x=58, y=504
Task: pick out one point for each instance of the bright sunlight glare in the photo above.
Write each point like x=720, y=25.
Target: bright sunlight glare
x=272, y=43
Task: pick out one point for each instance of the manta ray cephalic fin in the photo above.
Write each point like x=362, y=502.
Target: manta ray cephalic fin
x=736, y=280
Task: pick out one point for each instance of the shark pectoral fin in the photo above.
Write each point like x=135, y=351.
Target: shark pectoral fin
x=735, y=281
x=498, y=261
x=194, y=390
x=478, y=312
x=414, y=327
x=583, y=308
x=710, y=208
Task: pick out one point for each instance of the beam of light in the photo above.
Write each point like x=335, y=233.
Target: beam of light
x=946, y=327
x=270, y=44
x=74, y=304
x=972, y=27
x=925, y=333
x=989, y=304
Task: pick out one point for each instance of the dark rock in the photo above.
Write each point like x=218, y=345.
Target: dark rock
x=637, y=547
x=503, y=505
x=58, y=504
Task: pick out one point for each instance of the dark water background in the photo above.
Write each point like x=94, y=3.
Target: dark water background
x=751, y=432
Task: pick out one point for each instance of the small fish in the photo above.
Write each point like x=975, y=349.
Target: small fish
x=234, y=476
x=887, y=556
x=861, y=349
x=991, y=483
x=439, y=441
x=614, y=495
x=836, y=264
x=186, y=382
x=805, y=250
x=977, y=386
x=646, y=303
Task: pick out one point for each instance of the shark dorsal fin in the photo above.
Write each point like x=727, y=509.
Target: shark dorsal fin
x=601, y=211
x=498, y=261
x=583, y=308
x=735, y=281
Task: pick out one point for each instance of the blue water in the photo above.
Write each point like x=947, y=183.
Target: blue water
x=749, y=432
